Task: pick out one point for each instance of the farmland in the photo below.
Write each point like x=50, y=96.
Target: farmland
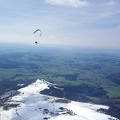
x=61, y=65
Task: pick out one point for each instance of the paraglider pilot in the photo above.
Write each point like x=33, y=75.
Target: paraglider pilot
x=36, y=42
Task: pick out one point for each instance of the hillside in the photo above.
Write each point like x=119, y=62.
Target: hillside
x=30, y=104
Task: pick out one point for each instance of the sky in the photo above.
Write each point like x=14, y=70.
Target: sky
x=92, y=23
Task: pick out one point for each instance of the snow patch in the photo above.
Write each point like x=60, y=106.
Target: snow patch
x=34, y=106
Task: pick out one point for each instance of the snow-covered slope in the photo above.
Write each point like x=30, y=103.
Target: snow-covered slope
x=31, y=105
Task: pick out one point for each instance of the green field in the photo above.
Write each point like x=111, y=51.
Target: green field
x=66, y=66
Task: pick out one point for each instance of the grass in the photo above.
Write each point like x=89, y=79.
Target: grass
x=113, y=91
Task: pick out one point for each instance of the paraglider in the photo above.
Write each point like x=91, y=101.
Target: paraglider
x=36, y=42
x=40, y=33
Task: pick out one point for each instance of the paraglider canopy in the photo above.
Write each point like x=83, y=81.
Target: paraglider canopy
x=38, y=30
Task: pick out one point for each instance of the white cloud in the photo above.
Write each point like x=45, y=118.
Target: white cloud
x=72, y=3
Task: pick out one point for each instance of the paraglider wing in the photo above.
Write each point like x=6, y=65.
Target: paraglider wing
x=38, y=30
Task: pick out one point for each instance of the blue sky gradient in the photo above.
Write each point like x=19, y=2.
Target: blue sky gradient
x=64, y=22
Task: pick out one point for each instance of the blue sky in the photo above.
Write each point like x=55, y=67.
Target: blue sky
x=93, y=23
